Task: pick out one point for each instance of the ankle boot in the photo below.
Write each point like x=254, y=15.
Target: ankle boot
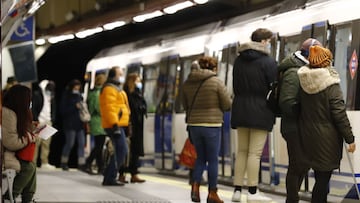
x=213, y=197
x=195, y=194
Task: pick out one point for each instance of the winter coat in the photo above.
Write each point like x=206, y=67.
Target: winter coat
x=254, y=70
x=38, y=101
x=211, y=101
x=138, y=108
x=289, y=92
x=94, y=110
x=11, y=140
x=323, y=120
x=114, y=106
x=69, y=111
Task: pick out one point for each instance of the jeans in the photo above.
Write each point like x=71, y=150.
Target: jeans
x=70, y=136
x=207, y=145
x=118, y=158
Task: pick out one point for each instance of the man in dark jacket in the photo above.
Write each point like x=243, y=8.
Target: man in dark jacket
x=289, y=105
x=254, y=71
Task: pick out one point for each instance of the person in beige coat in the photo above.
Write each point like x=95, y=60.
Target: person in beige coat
x=17, y=128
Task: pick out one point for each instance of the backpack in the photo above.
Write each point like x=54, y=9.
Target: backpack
x=84, y=112
x=272, y=97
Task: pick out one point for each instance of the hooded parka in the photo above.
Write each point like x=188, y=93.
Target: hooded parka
x=323, y=120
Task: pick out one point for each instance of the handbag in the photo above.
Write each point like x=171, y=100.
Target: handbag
x=188, y=155
x=84, y=112
x=26, y=153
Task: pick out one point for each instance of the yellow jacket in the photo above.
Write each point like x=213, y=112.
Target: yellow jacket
x=114, y=106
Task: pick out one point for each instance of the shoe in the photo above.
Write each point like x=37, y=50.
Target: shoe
x=47, y=167
x=113, y=184
x=236, y=197
x=122, y=179
x=64, y=167
x=213, y=197
x=136, y=179
x=258, y=196
x=195, y=192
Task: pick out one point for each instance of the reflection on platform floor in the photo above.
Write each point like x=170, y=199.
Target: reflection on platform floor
x=76, y=186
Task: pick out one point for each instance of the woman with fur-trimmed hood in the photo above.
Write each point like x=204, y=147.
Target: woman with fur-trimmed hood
x=324, y=124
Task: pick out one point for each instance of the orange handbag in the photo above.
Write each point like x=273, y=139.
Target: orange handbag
x=188, y=155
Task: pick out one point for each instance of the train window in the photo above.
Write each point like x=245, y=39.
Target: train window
x=342, y=42
x=151, y=73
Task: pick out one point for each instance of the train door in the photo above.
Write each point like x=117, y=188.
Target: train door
x=346, y=43
x=228, y=137
x=179, y=128
x=150, y=77
x=166, y=89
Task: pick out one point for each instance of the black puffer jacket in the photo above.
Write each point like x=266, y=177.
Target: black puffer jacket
x=323, y=120
x=254, y=71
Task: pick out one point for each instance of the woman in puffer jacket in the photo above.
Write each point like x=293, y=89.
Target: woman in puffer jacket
x=324, y=124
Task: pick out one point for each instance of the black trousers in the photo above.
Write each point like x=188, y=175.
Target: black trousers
x=321, y=187
x=96, y=152
x=297, y=169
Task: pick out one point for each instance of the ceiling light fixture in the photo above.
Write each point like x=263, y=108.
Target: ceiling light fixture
x=88, y=32
x=60, y=38
x=112, y=25
x=201, y=1
x=146, y=16
x=174, y=8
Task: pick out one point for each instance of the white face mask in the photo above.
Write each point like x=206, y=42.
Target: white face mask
x=268, y=47
x=30, y=106
x=138, y=85
x=121, y=79
x=76, y=92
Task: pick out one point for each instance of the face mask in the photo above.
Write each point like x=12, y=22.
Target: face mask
x=268, y=47
x=138, y=85
x=48, y=93
x=30, y=106
x=76, y=92
x=121, y=79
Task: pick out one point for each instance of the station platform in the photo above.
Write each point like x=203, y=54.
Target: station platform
x=75, y=186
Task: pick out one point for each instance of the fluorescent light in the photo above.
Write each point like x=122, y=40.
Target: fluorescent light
x=174, y=8
x=40, y=42
x=86, y=33
x=201, y=1
x=57, y=39
x=146, y=16
x=110, y=26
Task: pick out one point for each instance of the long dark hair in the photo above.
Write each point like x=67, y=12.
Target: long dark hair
x=18, y=99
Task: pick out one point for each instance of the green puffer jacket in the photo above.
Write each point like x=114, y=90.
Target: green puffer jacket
x=94, y=109
x=324, y=124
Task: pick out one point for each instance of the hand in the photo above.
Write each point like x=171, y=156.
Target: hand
x=351, y=147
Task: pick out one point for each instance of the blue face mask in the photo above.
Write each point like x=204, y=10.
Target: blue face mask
x=268, y=47
x=138, y=85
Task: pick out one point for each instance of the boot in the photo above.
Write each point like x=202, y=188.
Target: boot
x=213, y=197
x=136, y=179
x=195, y=194
x=122, y=179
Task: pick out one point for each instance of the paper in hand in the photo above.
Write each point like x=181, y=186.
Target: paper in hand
x=47, y=132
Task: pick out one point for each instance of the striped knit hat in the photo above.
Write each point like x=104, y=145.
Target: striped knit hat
x=320, y=57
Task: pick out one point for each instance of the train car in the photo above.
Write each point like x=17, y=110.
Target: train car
x=164, y=62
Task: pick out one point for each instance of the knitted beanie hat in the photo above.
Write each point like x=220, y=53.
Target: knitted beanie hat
x=320, y=57
x=307, y=44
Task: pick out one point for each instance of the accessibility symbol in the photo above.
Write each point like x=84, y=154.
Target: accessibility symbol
x=25, y=31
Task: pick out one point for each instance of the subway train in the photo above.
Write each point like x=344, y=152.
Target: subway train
x=164, y=63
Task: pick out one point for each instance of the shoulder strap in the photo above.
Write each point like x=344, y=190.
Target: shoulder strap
x=196, y=92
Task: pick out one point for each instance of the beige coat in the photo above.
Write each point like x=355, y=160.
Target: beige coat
x=10, y=139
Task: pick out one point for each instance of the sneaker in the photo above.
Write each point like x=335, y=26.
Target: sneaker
x=47, y=167
x=258, y=196
x=236, y=196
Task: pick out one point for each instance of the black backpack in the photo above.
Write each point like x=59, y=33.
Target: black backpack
x=272, y=97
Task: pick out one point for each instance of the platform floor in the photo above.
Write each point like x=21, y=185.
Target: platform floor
x=78, y=187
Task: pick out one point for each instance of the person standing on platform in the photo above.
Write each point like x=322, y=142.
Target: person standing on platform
x=324, y=125
x=115, y=116
x=17, y=132
x=205, y=99
x=290, y=109
x=96, y=129
x=254, y=71
x=133, y=89
x=44, y=110
x=72, y=125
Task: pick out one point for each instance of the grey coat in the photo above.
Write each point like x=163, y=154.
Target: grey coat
x=10, y=139
x=324, y=124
